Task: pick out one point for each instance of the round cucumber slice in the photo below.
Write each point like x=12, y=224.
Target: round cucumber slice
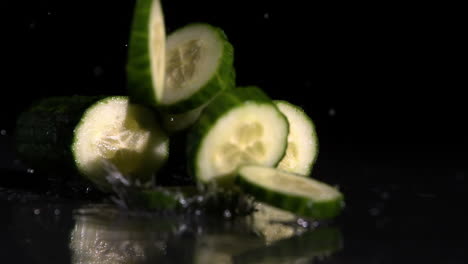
x=302, y=196
x=199, y=64
x=126, y=135
x=302, y=148
x=241, y=126
x=146, y=55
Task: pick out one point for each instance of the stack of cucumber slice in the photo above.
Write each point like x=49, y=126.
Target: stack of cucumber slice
x=238, y=138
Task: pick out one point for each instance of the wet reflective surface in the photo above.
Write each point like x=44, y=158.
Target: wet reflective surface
x=53, y=230
x=383, y=222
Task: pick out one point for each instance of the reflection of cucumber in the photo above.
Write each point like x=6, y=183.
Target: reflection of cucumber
x=302, y=196
x=241, y=126
x=189, y=199
x=199, y=64
x=302, y=140
x=273, y=224
x=83, y=133
x=221, y=247
x=314, y=243
x=146, y=54
x=106, y=235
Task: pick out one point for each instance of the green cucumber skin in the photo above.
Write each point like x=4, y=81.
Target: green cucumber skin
x=297, y=204
x=139, y=76
x=317, y=145
x=45, y=132
x=222, y=104
x=224, y=79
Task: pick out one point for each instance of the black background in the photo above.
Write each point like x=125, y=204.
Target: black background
x=383, y=83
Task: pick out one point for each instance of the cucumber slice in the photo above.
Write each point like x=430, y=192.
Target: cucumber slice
x=302, y=140
x=302, y=196
x=59, y=135
x=146, y=54
x=123, y=134
x=199, y=64
x=241, y=126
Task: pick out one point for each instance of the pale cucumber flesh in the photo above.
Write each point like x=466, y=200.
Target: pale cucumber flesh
x=302, y=140
x=300, y=195
x=250, y=134
x=125, y=135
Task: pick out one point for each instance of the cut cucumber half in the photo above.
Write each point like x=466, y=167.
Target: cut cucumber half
x=126, y=135
x=241, y=126
x=199, y=64
x=302, y=140
x=303, y=196
x=146, y=55
x=79, y=135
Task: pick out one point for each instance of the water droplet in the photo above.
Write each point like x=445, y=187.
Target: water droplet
x=332, y=112
x=98, y=71
x=426, y=195
x=88, y=190
x=199, y=230
x=302, y=223
x=37, y=211
x=227, y=214
x=266, y=16
x=197, y=212
x=57, y=211
x=49, y=13
x=374, y=211
x=200, y=198
x=183, y=202
x=101, y=246
x=126, y=44
x=385, y=195
x=3, y=132
x=30, y=171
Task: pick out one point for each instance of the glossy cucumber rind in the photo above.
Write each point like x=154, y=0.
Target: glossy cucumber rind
x=139, y=73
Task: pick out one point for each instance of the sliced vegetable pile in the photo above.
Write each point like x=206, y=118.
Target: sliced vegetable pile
x=237, y=138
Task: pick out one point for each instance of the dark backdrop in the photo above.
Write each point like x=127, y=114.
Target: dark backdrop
x=382, y=82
